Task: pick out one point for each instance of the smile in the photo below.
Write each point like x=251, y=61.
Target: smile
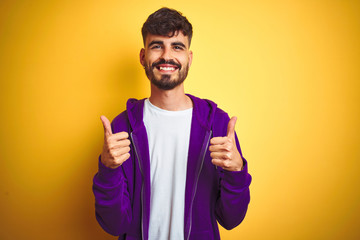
x=166, y=68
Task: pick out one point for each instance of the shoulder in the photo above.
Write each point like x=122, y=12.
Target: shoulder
x=207, y=105
x=121, y=122
x=210, y=114
x=221, y=115
x=130, y=117
x=221, y=120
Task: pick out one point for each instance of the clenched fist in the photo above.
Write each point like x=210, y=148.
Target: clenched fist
x=224, y=152
x=116, y=146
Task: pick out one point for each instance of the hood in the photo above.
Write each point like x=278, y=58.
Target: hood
x=203, y=111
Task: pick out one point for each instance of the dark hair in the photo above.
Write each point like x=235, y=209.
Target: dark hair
x=166, y=22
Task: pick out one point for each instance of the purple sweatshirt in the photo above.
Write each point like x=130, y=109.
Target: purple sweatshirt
x=122, y=195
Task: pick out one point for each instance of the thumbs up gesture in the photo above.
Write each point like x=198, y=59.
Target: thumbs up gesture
x=116, y=146
x=224, y=152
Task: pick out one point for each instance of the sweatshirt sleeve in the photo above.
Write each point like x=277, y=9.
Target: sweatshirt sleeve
x=234, y=197
x=112, y=201
x=234, y=194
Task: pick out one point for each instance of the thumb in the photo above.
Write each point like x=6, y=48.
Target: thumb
x=231, y=127
x=106, y=125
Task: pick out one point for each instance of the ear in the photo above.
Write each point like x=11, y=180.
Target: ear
x=190, y=58
x=142, y=57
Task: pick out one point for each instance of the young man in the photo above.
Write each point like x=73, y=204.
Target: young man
x=171, y=165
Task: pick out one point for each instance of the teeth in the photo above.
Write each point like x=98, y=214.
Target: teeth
x=167, y=68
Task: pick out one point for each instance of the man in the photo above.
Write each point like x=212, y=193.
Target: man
x=171, y=165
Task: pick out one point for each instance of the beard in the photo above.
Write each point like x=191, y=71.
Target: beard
x=165, y=82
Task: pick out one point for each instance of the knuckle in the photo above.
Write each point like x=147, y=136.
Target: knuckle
x=128, y=149
x=124, y=157
x=112, y=154
x=227, y=156
x=227, y=147
x=227, y=164
x=118, y=161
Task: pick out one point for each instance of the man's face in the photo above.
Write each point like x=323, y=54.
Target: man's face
x=166, y=60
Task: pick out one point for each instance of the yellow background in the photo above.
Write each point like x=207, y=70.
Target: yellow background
x=289, y=70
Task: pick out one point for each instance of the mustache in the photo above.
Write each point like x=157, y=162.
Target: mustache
x=163, y=61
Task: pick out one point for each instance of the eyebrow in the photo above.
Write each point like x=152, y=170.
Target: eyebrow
x=155, y=42
x=162, y=43
x=178, y=44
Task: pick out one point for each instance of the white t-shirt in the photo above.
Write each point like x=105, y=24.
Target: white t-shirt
x=169, y=135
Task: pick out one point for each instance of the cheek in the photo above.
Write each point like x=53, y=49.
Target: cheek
x=185, y=61
x=151, y=59
x=148, y=61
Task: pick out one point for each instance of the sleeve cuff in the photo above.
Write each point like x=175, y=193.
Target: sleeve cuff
x=237, y=178
x=108, y=176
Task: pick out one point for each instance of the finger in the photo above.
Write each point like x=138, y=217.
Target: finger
x=231, y=127
x=118, y=144
x=219, y=140
x=106, y=125
x=220, y=155
x=119, y=136
x=221, y=163
x=120, y=160
x=118, y=152
x=220, y=148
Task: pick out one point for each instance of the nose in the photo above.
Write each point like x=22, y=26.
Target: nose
x=166, y=54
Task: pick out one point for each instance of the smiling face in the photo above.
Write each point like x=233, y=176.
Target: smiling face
x=166, y=60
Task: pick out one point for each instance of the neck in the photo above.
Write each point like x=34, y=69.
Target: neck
x=171, y=100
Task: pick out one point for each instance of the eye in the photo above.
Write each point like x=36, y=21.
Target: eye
x=155, y=47
x=178, y=48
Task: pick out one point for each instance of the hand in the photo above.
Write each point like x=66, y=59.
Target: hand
x=224, y=152
x=116, y=146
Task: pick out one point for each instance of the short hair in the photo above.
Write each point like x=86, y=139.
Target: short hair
x=167, y=22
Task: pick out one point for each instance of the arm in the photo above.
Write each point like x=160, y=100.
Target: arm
x=112, y=200
x=234, y=179
x=234, y=197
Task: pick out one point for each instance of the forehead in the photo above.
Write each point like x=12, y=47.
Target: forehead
x=178, y=37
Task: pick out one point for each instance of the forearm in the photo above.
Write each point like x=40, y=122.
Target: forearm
x=112, y=200
x=234, y=197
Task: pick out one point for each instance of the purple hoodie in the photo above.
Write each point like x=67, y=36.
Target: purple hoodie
x=122, y=195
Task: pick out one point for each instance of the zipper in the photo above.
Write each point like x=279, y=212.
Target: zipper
x=142, y=187
x=206, y=142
